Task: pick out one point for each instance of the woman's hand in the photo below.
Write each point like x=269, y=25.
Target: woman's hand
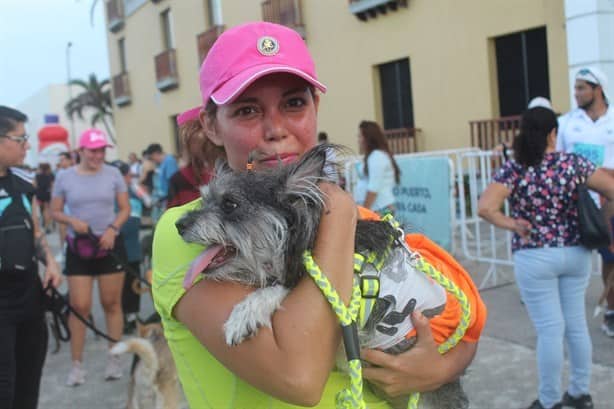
x=522, y=228
x=107, y=240
x=420, y=369
x=80, y=226
x=52, y=274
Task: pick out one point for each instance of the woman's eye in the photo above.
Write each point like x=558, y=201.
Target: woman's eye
x=245, y=111
x=228, y=205
x=297, y=102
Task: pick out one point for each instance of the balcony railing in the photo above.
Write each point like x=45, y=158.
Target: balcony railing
x=285, y=12
x=166, y=70
x=490, y=133
x=121, y=89
x=402, y=140
x=206, y=39
x=115, y=15
x=365, y=9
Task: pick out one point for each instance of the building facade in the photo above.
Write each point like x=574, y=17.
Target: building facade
x=419, y=67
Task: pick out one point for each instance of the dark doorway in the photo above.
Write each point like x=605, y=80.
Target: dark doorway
x=397, y=105
x=522, y=69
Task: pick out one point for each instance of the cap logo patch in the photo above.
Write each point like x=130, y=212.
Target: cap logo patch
x=268, y=46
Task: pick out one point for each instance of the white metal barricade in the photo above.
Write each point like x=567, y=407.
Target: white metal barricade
x=451, y=154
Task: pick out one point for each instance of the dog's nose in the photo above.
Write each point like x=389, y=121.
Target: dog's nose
x=181, y=225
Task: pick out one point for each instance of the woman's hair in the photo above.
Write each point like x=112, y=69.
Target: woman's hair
x=374, y=139
x=200, y=152
x=531, y=142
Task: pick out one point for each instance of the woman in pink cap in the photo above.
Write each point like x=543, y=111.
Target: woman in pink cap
x=260, y=96
x=91, y=191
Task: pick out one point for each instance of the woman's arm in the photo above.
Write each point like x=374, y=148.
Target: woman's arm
x=52, y=270
x=107, y=240
x=292, y=360
x=489, y=208
x=420, y=369
x=370, y=199
x=57, y=213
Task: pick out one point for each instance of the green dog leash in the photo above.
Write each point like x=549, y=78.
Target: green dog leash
x=352, y=397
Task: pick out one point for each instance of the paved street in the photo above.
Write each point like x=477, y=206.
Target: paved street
x=503, y=375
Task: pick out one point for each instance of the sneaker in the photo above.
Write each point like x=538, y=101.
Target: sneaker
x=114, y=368
x=538, y=405
x=76, y=376
x=608, y=324
x=581, y=402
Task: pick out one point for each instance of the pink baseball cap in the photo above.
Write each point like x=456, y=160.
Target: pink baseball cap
x=189, y=115
x=247, y=52
x=93, y=139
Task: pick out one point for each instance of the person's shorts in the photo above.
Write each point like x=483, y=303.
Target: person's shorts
x=606, y=255
x=112, y=263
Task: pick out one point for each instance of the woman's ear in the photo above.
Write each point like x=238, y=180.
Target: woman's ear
x=208, y=123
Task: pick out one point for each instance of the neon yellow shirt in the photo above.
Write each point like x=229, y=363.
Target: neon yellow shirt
x=207, y=383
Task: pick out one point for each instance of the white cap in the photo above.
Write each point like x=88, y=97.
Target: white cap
x=595, y=76
x=540, y=102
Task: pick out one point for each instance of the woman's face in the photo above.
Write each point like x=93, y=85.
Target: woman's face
x=93, y=159
x=273, y=119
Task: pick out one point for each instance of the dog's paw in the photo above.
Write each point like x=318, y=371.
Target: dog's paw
x=253, y=313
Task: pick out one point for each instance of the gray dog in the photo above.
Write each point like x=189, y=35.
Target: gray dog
x=256, y=226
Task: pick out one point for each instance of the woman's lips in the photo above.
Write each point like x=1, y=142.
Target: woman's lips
x=275, y=160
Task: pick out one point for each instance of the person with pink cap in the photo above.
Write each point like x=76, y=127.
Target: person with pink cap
x=91, y=191
x=260, y=99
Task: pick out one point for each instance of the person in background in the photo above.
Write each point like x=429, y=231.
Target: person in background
x=135, y=167
x=65, y=162
x=130, y=231
x=92, y=190
x=44, y=183
x=166, y=166
x=199, y=155
x=379, y=173
x=23, y=329
x=552, y=268
x=588, y=130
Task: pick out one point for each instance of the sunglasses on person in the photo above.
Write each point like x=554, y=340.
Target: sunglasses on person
x=19, y=139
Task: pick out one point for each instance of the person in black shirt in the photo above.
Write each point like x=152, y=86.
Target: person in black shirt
x=23, y=330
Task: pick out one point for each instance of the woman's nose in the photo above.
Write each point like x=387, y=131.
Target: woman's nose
x=275, y=127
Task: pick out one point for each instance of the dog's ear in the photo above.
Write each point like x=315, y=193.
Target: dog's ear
x=310, y=166
x=221, y=167
x=303, y=177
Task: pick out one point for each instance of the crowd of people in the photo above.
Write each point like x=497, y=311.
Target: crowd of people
x=257, y=107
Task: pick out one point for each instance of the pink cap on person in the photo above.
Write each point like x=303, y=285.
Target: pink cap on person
x=189, y=115
x=93, y=139
x=247, y=52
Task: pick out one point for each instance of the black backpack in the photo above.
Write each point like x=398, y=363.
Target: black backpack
x=17, y=246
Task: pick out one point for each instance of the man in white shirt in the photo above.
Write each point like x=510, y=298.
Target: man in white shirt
x=588, y=130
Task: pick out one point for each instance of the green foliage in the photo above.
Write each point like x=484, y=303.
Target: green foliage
x=95, y=96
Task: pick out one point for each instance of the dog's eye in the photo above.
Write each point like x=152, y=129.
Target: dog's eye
x=228, y=205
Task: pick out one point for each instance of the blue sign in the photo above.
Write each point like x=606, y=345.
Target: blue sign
x=423, y=198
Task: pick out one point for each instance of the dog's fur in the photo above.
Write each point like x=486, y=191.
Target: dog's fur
x=153, y=383
x=256, y=226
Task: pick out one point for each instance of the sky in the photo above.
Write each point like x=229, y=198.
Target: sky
x=33, y=41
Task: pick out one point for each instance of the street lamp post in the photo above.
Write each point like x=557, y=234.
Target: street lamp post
x=73, y=136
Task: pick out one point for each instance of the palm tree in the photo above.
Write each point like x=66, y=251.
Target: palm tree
x=95, y=95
